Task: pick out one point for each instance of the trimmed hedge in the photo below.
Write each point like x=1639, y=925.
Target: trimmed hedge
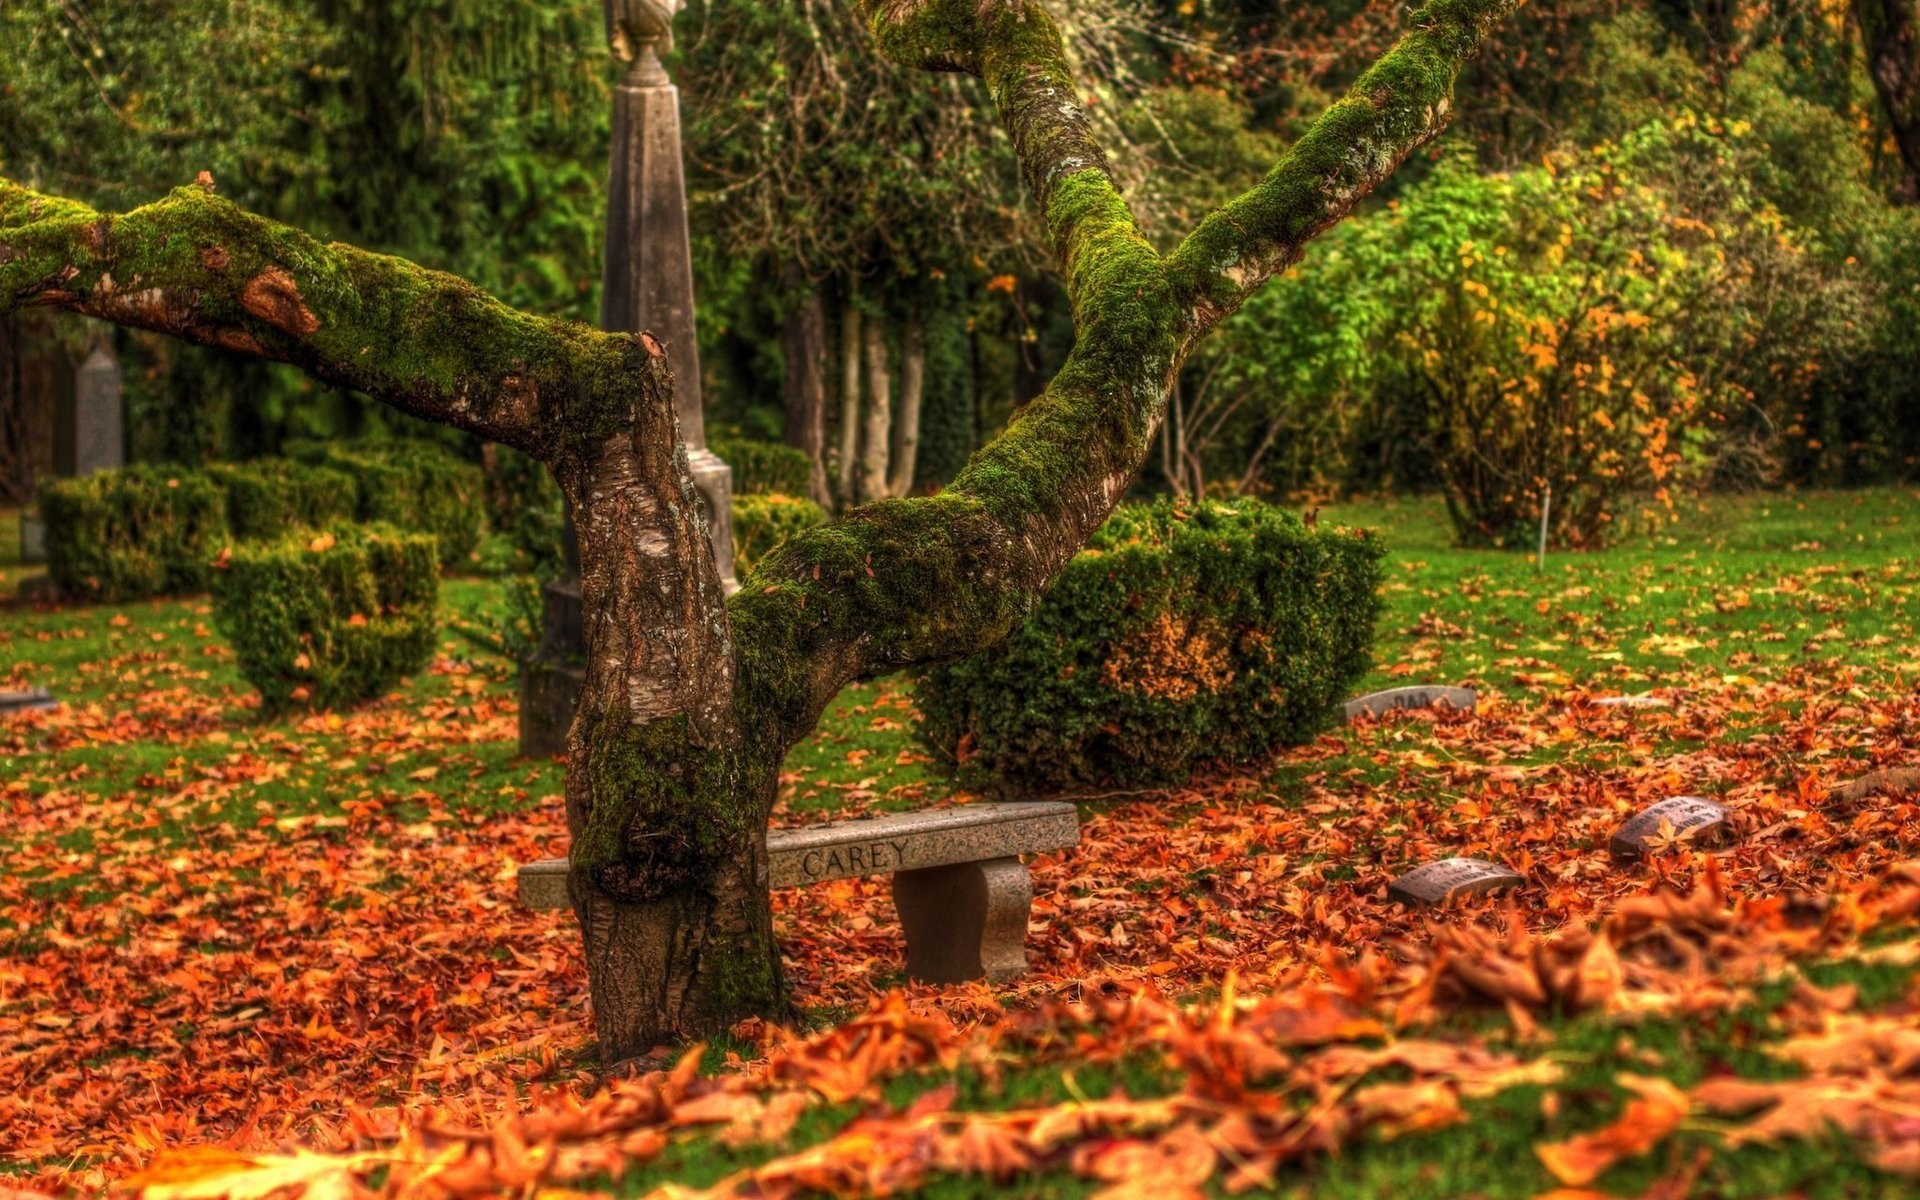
x=271, y=497
x=330, y=618
x=761, y=522
x=1181, y=636
x=412, y=485
x=132, y=533
x=764, y=468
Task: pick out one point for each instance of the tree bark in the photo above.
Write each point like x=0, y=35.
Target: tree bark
x=26, y=410
x=690, y=700
x=1890, y=30
x=877, y=418
x=804, y=346
x=849, y=401
x=667, y=800
x=906, y=425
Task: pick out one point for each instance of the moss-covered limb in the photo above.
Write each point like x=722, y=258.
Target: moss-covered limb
x=197, y=267
x=1890, y=30
x=1403, y=100
x=1015, y=47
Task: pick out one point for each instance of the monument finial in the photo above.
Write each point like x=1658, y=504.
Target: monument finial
x=640, y=29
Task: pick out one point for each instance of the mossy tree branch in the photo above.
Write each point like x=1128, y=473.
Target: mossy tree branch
x=1399, y=104
x=913, y=581
x=197, y=267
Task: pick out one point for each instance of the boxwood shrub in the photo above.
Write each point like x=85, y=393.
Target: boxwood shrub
x=412, y=485
x=132, y=533
x=763, y=521
x=268, y=498
x=764, y=468
x=330, y=618
x=1183, y=635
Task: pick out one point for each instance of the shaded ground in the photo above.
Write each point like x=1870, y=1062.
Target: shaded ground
x=223, y=929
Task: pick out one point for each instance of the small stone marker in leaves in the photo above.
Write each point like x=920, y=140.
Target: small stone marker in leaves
x=1439, y=882
x=37, y=700
x=1642, y=700
x=1379, y=704
x=1688, y=818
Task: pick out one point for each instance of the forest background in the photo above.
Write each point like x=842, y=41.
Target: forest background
x=1664, y=249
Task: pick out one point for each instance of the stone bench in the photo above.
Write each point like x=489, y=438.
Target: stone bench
x=958, y=883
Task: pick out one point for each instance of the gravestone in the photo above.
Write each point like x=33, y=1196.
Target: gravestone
x=1690, y=818
x=36, y=700
x=1450, y=878
x=89, y=434
x=962, y=893
x=1379, y=704
x=1642, y=700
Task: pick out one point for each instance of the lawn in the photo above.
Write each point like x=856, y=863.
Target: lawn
x=224, y=928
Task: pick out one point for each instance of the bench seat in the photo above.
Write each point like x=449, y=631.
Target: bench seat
x=958, y=883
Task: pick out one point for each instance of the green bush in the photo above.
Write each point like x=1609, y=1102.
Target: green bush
x=132, y=533
x=764, y=468
x=330, y=618
x=270, y=497
x=412, y=485
x=761, y=522
x=1180, y=636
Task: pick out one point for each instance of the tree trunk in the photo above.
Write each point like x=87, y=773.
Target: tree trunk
x=875, y=438
x=667, y=797
x=849, y=400
x=804, y=345
x=906, y=428
x=26, y=406
x=16, y=470
x=1890, y=30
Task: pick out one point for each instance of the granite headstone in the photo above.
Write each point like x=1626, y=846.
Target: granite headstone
x=1688, y=818
x=1449, y=878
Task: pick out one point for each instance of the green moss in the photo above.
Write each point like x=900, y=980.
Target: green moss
x=666, y=812
x=428, y=342
x=740, y=976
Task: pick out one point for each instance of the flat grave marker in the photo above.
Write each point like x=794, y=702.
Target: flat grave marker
x=36, y=700
x=1641, y=700
x=1694, y=819
x=1379, y=704
x=1450, y=878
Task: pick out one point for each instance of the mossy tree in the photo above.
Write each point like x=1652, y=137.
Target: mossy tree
x=691, y=700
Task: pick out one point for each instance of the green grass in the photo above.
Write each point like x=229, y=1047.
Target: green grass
x=1744, y=586
x=1741, y=587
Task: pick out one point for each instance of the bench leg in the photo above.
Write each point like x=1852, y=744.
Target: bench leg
x=966, y=921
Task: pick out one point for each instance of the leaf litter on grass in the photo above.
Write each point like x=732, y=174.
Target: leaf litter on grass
x=262, y=937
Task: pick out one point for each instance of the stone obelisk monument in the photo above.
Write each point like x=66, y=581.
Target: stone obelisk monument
x=647, y=284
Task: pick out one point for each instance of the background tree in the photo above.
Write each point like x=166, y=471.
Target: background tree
x=690, y=701
x=1890, y=32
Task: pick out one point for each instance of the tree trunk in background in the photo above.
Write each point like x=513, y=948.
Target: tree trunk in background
x=906, y=428
x=875, y=430
x=849, y=401
x=804, y=345
x=1890, y=30
x=26, y=408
